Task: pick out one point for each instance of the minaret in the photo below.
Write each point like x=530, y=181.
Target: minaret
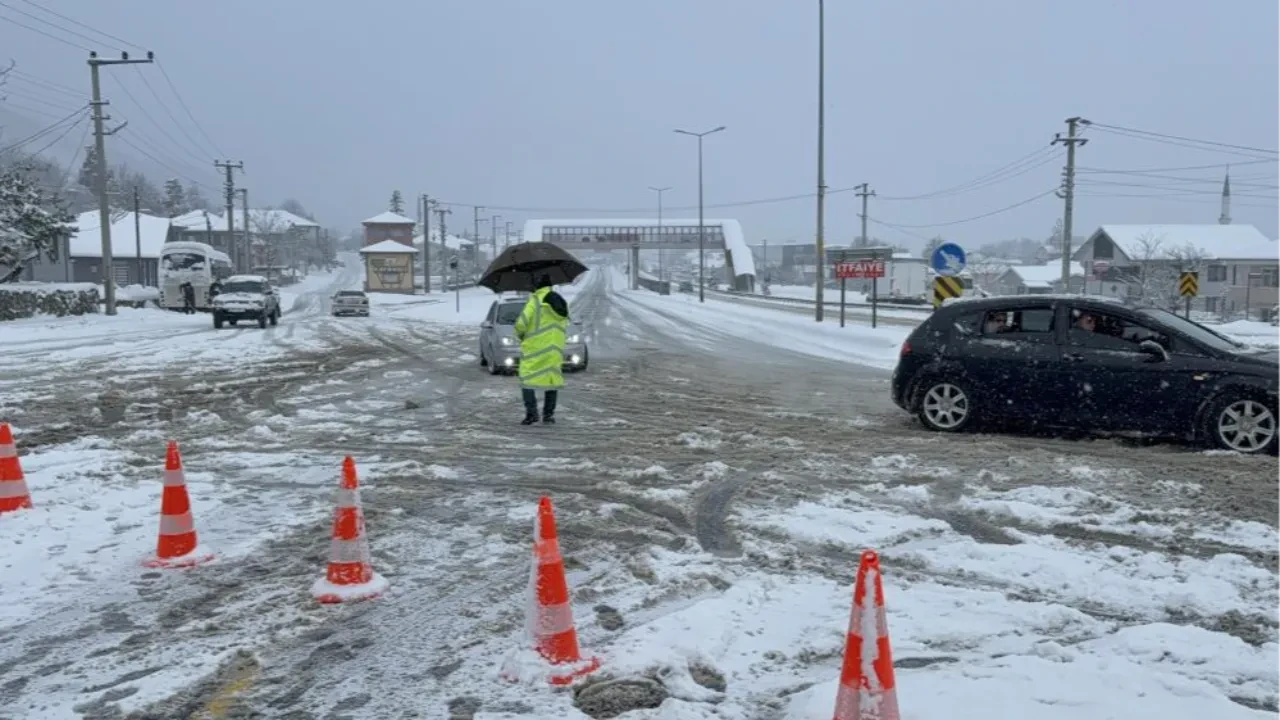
x=1225, y=217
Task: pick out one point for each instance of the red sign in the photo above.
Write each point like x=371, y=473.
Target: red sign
x=859, y=269
x=1100, y=267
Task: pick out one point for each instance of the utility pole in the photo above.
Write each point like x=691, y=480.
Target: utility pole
x=476, y=225
x=864, y=193
x=820, y=245
x=100, y=179
x=425, y=212
x=493, y=236
x=661, y=255
x=701, y=228
x=229, y=190
x=444, y=229
x=244, y=257
x=506, y=243
x=137, y=236
x=1068, y=192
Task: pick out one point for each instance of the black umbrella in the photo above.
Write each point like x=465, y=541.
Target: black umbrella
x=518, y=268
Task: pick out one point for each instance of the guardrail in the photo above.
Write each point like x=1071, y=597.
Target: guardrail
x=922, y=311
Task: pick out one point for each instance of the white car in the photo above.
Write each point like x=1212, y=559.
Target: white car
x=350, y=302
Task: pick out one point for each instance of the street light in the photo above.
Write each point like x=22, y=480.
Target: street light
x=661, y=265
x=820, y=244
x=701, y=231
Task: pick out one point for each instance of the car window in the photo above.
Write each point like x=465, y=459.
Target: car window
x=1031, y=324
x=969, y=324
x=244, y=286
x=1108, y=331
x=1195, y=331
x=492, y=309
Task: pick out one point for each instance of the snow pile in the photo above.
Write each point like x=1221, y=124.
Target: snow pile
x=1251, y=332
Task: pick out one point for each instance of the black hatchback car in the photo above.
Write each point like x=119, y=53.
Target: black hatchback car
x=1089, y=364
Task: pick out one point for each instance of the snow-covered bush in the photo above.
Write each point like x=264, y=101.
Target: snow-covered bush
x=24, y=300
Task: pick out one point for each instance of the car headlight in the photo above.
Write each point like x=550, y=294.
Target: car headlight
x=573, y=339
x=507, y=341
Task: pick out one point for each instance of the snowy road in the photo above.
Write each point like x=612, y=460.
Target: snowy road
x=712, y=490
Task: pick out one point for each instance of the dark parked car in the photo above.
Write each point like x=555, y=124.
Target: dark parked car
x=1089, y=364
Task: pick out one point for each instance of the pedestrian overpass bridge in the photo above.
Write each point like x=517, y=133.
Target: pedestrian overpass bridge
x=634, y=235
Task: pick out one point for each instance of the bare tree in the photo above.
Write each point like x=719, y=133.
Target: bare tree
x=267, y=231
x=1155, y=281
x=986, y=271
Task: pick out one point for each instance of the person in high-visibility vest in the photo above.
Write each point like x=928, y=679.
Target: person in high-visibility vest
x=541, y=330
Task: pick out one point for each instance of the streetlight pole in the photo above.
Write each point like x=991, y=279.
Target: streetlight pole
x=701, y=229
x=820, y=245
x=661, y=255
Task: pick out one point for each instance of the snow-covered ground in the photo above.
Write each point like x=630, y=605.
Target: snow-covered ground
x=716, y=473
x=1251, y=332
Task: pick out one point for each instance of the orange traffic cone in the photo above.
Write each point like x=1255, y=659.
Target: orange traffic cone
x=178, y=545
x=13, y=485
x=866, y=681
x=551, y=612
x=350, y=576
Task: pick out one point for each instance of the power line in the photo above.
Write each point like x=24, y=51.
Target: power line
x=152, y=120
x=66, y=175
x=15, y=74
x=41, y=32
x=39, y=19
x=1215, y=166
x=164, y=106
x=1179, y=196
x=41, y=133
x=1184, y=139
x=63, y=106
x=1178, y=143
x=1041, y=156
x=87, y=27
x=1183, y=187
x=190, y=114
x=66, y=132
x=1005, y=209
x=168, y=167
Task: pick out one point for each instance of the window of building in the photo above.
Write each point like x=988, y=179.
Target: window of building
x=1103, y=248
x=1270, y=277
x=1216, y=273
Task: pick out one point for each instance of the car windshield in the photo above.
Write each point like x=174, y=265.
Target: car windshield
x=242, y=286
x=184, y=261
x=349, y=293
x=1195, y=331
x=508, y=313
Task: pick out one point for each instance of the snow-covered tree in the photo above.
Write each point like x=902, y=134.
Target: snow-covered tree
x=930, y=246
x=175, y=198
x=196, y=199
x=31, y=223
x=1159, y=265
x=293, y=206
x=397, y=202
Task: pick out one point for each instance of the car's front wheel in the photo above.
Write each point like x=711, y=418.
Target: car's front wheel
x=275, y=316
x=945, y=405
x=262, y=320
x=217, y=321
x=1241, y=423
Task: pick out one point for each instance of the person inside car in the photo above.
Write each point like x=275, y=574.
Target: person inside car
x=995, y=323
x=1086, y=322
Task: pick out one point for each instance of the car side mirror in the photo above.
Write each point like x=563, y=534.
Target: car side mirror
x=486, y=324
x=1155, y=351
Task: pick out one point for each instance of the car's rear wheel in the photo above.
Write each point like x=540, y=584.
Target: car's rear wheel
x=945, y=406
x=233, y=322
x=1242, y=424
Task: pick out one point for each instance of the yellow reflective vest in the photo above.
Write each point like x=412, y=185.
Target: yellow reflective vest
x=542, y=333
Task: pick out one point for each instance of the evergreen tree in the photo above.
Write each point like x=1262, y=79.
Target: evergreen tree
x=175, y=199
x=31, y=223
x=397, y=202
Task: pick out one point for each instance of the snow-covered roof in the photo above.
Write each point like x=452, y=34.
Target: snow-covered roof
x=1222, y=242
x=246, y=278
x=388, y=247
x=273, y=219
x=1042, y=275
x=86, y=240
x=390, y=218
x=199, y=220
x=734, y=240
x=193, y=246
x=453, y=242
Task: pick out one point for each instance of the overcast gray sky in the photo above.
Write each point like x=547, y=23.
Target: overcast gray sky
x=565, y=108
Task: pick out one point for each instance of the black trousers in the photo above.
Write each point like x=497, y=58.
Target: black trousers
x=531, y=402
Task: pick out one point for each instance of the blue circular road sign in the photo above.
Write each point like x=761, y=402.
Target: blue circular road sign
x=948, y=259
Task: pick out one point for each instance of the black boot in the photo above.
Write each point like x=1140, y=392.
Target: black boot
x=530, y=406
x=529, y=420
